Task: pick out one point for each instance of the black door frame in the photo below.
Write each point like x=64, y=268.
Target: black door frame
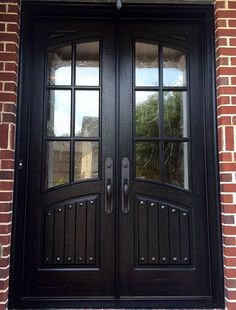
x=204, y=15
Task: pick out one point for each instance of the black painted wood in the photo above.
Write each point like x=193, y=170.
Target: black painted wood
x=164, y=234
x=70, y=234
x=48, y=236
x=81, y=220
x=117, y=278
x=142, y=232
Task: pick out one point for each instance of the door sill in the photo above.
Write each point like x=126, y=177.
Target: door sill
x=124, y=302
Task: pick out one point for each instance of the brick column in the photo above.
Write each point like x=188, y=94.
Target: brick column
x=9, y=43
x=225, y=18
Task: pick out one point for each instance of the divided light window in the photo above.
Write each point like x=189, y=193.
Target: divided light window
x=72, y=114
x=161, y=114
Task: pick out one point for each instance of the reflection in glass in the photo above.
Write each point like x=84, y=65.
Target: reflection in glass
x=176, y=163
x=146, y=64
x=58, y=113
x=87, y=64
x=147, y=160
x=57, y=163
x=147, y=113
x=175, y=114
x=59, y=66
x=86, y=160
x=86, y=113
x=174, y=67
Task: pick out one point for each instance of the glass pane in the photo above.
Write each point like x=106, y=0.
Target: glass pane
x=87, y=64
x=147, y=160
x=176, y=163
x=58, y=113
x=57, y=163
x=86, y=160
x=175, y=114
x=59, y=66
x=174, y=71
x=86, y=113
x=146, y=64
x=147, y=113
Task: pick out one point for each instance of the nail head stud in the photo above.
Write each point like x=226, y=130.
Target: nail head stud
x=153, y=259
x=142, y=259
x=90, y=259
x=80, y=259
x=58, y=259
x=152, y=204
x=163, y=258
x=59, y=210
x=69, y=259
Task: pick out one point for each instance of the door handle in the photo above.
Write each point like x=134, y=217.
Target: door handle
x=125, y=207
x=109, y=186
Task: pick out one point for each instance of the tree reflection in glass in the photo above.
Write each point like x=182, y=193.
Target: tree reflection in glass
x=147, y=114
x=147, y=160
x=175, y=114
x=176, y=163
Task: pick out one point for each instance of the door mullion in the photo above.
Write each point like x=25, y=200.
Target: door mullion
x=161, y=113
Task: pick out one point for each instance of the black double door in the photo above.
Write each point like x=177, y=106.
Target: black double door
x=116, y=207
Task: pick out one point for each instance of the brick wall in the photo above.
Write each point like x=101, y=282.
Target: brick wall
x=9, y=40
x=225, y=17
x=226, y=100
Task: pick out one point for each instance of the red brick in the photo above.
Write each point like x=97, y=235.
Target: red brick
x=226, y=177
x=227, y=110
x=220, y=23
x=4, y=135
x=222, y=61
x=8, y=96
x=3, y=8
x=232, y=42
x=6, y=76
x=233, y=99
x=230, y=294
x=12, y=138
x=227, y=51
x=9, y=18
x=7, y=154
x=10, y=107
x=6, y=186
x=221, y=42
x=11, y=47
x=225, y=157
x=229, y=138
x=5, y=196
x=11, y=37
x=219, y=4
x=9, y=66
x=7, y=164
x=227, y=198
x=223, y=100
x=229, y=241
x=4, y=285
x=5, y=229
x=225, y=71
x=230, y=273
x=222, y=80
x=6, y=175
x=233, y=120
x=231, y=4
x=233, y=61
x=228, y=219
x=226, y=32
x=225, y=14
x=9, y=118
x=229, y=209
x=232, y=23
x=13, y=28
x=5, y=207
x=233, y=80
x=8, y=57
x=230, y=283
x=2, y=26
x=13, y=8
x=229, y=230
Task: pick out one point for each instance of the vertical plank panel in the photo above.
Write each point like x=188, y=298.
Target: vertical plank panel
x=174, y=236
x=70, y=234
x=163, y=234
x=48, y=236
x=59, y=228
x=142, y=232
x=153, y=232
x=91, y=229
x=184, y=234
x=80, y=232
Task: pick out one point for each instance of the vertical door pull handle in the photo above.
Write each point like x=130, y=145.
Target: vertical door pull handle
x=109, y=186
x=125, y=185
